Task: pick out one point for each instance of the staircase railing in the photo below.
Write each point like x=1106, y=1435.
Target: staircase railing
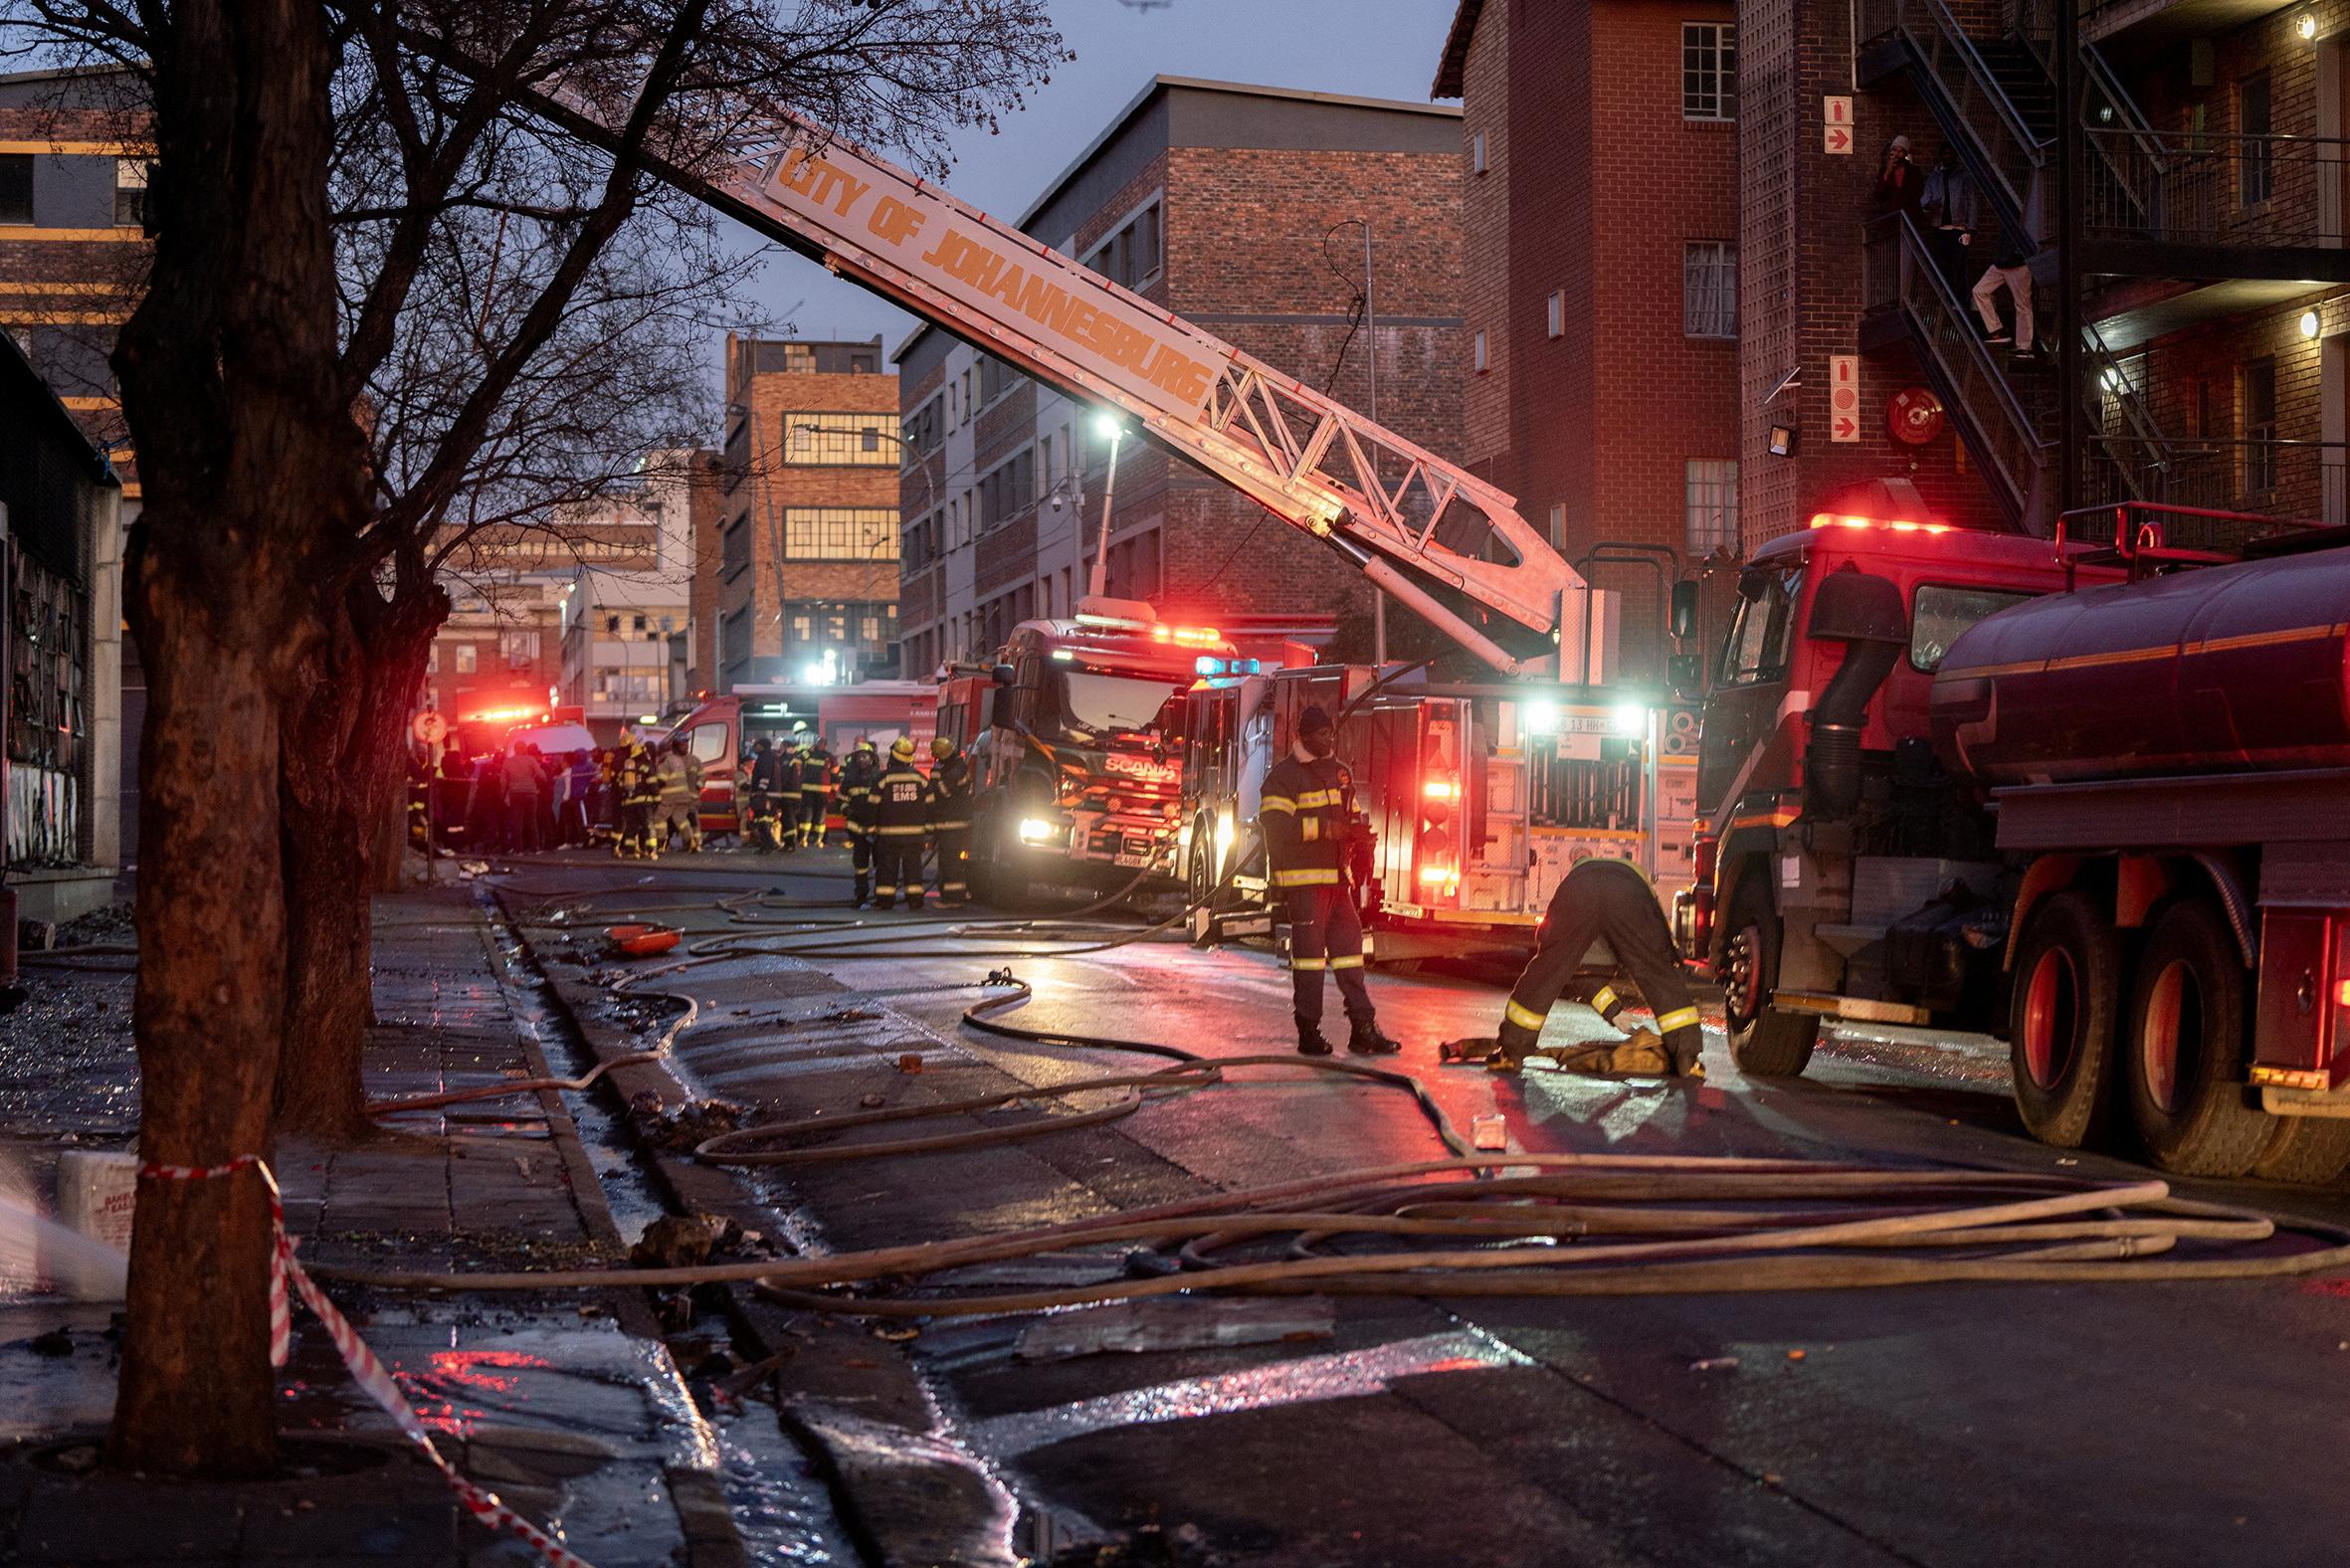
x=2123, y=184
x=2205, y=188
x=2141, y=458
x=1944, y=55
x=1899, y=274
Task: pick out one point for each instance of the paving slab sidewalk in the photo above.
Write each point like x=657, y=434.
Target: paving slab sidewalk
x=569, y=1405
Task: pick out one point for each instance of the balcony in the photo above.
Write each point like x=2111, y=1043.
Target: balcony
x=2205, y=206
x=2303, y=479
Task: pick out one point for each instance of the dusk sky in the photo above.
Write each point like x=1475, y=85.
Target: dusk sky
x=1369, y=48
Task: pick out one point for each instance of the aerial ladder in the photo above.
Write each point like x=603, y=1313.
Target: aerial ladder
x=1435, y=536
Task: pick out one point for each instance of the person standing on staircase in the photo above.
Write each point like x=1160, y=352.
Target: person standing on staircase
x=1950, y=211
x=1306, y=814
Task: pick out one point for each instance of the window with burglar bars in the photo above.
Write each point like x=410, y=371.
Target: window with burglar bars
x=1709, y=288
x=2257, y=120
x=854, y=440
x=2260, y=427
x=1712, y=506
x=840, y=533
x=1710, y=71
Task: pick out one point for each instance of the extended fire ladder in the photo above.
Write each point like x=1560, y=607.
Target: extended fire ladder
x=1437, y=538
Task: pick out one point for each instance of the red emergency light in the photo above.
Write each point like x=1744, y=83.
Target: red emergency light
x=504, y=715
x=1890, y=525
x=1188, y=635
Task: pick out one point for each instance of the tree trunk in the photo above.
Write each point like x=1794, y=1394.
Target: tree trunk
x=342, y=773
x=251, y=463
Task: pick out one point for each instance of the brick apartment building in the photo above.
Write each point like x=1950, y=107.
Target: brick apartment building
x=806, y=567
x=1600, y=218
x=1240, y=208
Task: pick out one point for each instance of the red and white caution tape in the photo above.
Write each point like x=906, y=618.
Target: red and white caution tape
x=373, y=1376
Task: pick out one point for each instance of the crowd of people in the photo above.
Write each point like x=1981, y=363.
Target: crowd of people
x=644, y=799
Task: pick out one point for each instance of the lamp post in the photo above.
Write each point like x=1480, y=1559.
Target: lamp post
x=1105, y=425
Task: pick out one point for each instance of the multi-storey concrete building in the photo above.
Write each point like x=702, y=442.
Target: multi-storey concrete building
x=1600, y=219
x=620, y=617
x=807, y=558
x=1242, y=209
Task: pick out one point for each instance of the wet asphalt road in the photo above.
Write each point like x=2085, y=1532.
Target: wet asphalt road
x=1942, y=1424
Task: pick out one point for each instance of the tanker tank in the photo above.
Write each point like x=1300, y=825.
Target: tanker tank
x=2216, y=669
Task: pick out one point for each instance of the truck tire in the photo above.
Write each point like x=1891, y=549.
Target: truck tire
x=2183, y=1051
x=1764, y=1041
x=2060, y=1021
x=997, y=871
x=2310, y=1150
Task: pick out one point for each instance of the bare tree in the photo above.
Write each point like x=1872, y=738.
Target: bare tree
x=310, y=415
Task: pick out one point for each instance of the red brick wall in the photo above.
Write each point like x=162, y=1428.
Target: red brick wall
x=1487, y=408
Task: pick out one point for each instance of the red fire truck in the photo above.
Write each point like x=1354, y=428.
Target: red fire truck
x=2087, y=792
x=1075, y=738
x=721, y=730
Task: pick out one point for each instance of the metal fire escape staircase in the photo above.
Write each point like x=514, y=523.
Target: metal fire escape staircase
x=1433, y=535
x=1996, y=102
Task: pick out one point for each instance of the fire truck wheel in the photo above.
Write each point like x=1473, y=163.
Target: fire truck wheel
x=2183, y=1051
x=2312, y=1150
x=1200, y=865
x=1764, y=1041
x=2060, y=1020
x=996, y=847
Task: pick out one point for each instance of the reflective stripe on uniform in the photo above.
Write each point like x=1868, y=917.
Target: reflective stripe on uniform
x=1679, y=1017
x=1605, y=999
x=1523, y=1017
x=1296, y=962
x=903, y=833
x=952, y=887
x=1309, y=877
x=1311, y=830
x=950, y=826
x=1276, y=803
x=1315, y=798
x=1347, y=962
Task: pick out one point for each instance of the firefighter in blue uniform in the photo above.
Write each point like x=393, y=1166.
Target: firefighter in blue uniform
x=1306, y=814
x=901, y=817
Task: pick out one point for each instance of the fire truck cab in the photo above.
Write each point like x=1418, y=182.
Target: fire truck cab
x=1075, y=738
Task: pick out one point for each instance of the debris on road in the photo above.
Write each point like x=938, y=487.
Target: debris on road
x=1140, y=1326
x=1713, y=1363
x=911, y=1063
x=682, y=1126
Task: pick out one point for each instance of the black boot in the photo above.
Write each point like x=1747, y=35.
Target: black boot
x=864, y=893
x=1366, y=1041
x=1310, y=1038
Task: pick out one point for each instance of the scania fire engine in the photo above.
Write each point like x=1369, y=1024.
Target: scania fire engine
x=2087, y=792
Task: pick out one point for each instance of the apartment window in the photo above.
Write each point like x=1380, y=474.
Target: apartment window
x=840, y=533
x=1709, y=288
x=1558, y=524
x=467, y=656
x=130, y=193
x=995, y=379
x=840, y=439
x=803, y=628
x=1477, y=359
x=1476, y=153
x=735, y=639
x=1131, y=257
x=1712, y=491
x=1008, y=489
x=1709, y=71
x=925, y=429
x=1558, y=313
x=2260, y=425
x=2256, y=119
x=432, y=664
x=16, y=187
x=517, y=649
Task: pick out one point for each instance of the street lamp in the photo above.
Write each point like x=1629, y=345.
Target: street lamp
x=1108, y=427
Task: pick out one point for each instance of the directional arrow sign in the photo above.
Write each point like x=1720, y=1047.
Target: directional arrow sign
x=1840, y=141
x=1835, y=117
x=1844, y=397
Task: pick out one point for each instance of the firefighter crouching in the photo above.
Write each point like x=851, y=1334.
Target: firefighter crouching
x=1306, y=814
x=950, y=819
x=859, y=775
x=638, y=781
x=902, y=816
x=1611, y=900
x=816, y=789
x=681, y=798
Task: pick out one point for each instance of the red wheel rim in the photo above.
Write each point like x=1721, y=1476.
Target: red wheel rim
x=2051, y=1014
x=2173, y=1009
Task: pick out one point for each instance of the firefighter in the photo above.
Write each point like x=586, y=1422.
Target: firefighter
x=901, y=815
x=788, y=773
x=1308, y=816
x=816, y=789
x=639, y=782
x=767, y=783
x=681, y=798
x=859, y=774
x=1611, y=900
x=950, y=819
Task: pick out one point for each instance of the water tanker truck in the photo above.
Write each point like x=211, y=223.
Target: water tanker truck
x=2089, y=793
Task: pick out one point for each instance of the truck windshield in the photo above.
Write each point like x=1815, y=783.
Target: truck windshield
x=1939, y=613
x=1093, y=705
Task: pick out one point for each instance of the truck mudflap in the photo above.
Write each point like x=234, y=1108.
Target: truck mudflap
x=2306, y=1097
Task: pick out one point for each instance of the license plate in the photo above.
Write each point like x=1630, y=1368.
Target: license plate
x=1136, y=861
